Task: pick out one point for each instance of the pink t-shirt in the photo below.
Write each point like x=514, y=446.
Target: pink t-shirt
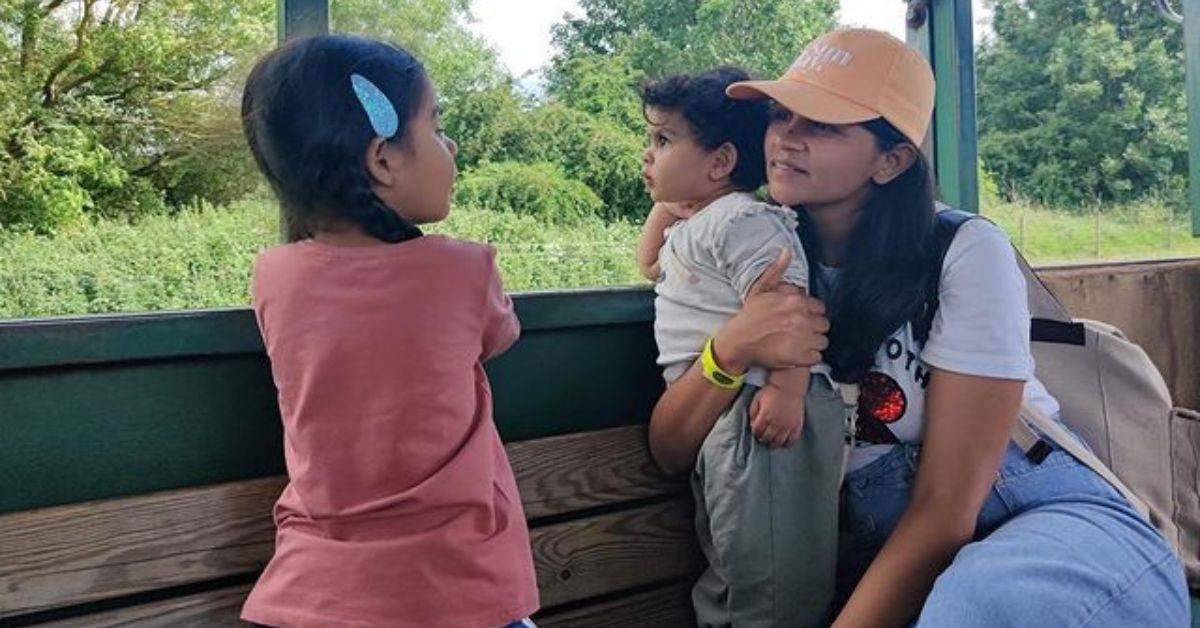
x=401, y=508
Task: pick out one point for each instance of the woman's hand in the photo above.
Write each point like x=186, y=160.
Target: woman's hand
x=773, y=330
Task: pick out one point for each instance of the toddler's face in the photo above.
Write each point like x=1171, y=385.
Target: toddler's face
x=675, y=167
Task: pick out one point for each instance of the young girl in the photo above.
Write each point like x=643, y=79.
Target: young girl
x=401, y=508
x=948, y=523
x=766, y=514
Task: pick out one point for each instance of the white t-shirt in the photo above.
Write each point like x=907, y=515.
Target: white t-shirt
x=981, y=328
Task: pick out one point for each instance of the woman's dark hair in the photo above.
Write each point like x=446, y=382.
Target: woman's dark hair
x=309, y=133
x=888, y=259
x=716, y=118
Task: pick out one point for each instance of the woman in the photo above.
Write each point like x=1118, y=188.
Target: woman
x=946, y=521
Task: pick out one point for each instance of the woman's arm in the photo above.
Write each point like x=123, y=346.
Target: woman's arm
x=969, y=420
x=772, y=329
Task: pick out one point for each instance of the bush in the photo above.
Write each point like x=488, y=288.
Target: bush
x=536, y=256
x=602, y=154
x=201, y=257
x=542, y=190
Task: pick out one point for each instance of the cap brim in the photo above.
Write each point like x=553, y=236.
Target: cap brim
x=805, y=99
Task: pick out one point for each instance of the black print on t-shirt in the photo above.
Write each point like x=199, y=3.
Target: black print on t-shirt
x=896, y=352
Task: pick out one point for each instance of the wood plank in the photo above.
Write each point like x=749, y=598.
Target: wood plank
x=584, y=558
x=68, y=555
x=577, y=471
x=575, y=561
x=665, y=607
x=213, y=609
x=73, y=554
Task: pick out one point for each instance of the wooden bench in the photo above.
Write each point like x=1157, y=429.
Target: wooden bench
x=612, y=542
x=139, y=455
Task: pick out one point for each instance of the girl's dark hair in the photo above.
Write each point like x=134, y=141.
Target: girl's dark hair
x=888, y=259
x=309, y=133
x=716, y=118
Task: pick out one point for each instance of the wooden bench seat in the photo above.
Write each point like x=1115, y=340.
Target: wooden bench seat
x=612, y=541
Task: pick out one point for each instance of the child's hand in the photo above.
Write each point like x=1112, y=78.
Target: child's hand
x=654, y=233
x=776, y=416
x=678, y=210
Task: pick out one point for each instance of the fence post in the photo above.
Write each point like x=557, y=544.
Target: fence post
x=1170, y=220
x=1022, y=237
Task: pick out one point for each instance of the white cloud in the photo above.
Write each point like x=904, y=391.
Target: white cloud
x=889, y=15
x=884, y=15
x=520, y=29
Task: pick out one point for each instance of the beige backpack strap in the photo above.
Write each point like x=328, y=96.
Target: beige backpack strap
x=1033, y=420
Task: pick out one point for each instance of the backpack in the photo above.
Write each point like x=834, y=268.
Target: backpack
x=1113, y=397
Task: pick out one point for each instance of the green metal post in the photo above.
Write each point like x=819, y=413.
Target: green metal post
x=302, y=18
x=942, y=31
x=1191, y=39
x=299, y=18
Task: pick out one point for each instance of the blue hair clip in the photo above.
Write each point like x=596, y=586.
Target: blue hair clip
x=380, y=111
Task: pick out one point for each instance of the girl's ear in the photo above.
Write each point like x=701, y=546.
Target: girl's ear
x=724, y=160
x=381, y=162
x=894, y=162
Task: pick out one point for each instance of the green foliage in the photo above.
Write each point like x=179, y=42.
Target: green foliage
x=539, y=189
x=130, y=108
x=1082, y=101
x=480, y=121
x=989, y=190
x=199, y=257
x=1136, y=231
x=100, y=99
x=618, y=40
x=604, y=85
x=601, y=154
x=202, y=256
x=534, y=255
x=459, y=62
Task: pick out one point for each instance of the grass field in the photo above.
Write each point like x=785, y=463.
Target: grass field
x=202, y=257
x=1134, y=232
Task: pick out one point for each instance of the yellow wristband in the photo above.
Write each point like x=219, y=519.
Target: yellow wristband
x=713, y=373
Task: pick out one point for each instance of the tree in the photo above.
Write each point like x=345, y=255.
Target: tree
x=458, y=61
x=599, y=153
x=127, y=107
x=1082, y=100
x=100, y=96
x=617, y=43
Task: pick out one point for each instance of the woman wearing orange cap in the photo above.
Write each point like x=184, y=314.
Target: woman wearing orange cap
x=946, y=521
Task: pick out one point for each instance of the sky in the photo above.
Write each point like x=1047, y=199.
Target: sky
x=520, y=29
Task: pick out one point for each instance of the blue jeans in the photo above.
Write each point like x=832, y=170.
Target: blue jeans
x=1055, y=545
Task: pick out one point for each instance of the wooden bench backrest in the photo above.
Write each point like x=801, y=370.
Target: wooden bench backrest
x=612, y=541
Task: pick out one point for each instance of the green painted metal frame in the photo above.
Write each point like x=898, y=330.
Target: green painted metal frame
x=1191, y=39
x=107, y=406
x=943, y=31
x=302, y=18
x=118, y=338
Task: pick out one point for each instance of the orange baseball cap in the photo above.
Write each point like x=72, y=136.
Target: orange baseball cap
x=854, y=75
